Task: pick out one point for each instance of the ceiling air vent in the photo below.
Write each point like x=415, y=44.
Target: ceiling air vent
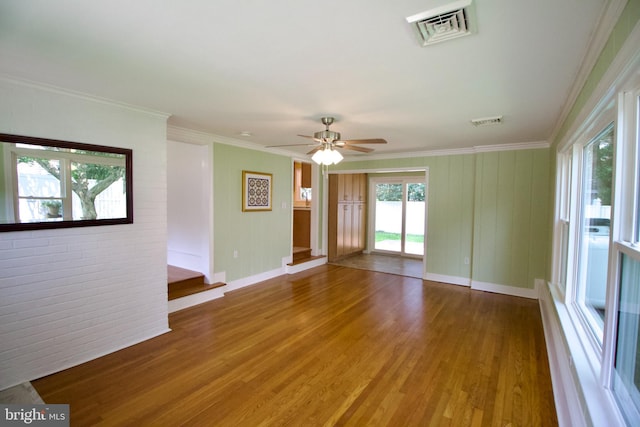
x=443, y=23
x=487, y=121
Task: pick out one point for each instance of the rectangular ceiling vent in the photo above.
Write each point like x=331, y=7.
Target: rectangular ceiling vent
x=443, y=23
x=487, y=121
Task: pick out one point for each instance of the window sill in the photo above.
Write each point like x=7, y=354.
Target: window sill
x=575, y=367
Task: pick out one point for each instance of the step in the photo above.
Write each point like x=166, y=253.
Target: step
x=301, y=253
x=183, y=282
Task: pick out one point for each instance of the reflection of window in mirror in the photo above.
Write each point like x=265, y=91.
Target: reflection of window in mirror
x=59, y=183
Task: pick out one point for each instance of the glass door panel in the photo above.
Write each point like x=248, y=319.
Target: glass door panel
x=388, y=214
x=414, y=219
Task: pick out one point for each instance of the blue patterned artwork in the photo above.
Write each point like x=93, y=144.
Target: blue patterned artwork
x=256, y=191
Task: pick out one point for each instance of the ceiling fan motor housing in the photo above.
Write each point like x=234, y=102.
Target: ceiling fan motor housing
x=327, y=135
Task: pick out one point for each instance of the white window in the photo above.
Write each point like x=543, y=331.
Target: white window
x=625, y=353
x=55, y=184
x=564, y=219
x=594, y=229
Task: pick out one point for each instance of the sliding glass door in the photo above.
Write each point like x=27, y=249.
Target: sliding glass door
x=399, y=214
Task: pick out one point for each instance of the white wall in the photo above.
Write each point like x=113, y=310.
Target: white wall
x=189, y=213
x=71, y=295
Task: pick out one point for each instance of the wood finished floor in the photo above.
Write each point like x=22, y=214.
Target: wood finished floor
x=403, y=266
x=327, y=346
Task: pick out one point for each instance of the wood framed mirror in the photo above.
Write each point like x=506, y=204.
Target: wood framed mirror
x=47, y=183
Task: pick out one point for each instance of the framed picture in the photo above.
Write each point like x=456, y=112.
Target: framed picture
x=256, y=191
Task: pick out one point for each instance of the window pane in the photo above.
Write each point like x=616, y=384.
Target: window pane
x=626, y=381
x=38, y=177
x=414, y=219
x=98, y=191
x=596, y=219
x=564, y=253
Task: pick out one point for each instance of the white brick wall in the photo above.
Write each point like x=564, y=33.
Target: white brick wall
x=71, y=295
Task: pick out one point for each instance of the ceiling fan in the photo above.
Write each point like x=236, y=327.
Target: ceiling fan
x=327, y=140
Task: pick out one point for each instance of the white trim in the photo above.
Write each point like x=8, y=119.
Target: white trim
x=179, y=134
x=81, y=95
x=536, y=145
x=297, y=268
x=567, y=399
x=580, y=398
x=504, y=289
x=612, y=11
x=252, y=280
x=188, y=136
x=626, y=62
x=195, y=299
x=451, y=280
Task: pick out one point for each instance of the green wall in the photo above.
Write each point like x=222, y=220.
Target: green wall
x=489, y=207
x=627, y=21
x=511, y=208
x=262, y=239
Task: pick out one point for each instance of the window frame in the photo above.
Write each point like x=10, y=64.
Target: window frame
x=9, y=144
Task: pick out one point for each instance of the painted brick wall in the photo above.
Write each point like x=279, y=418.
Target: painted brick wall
x=71, y=295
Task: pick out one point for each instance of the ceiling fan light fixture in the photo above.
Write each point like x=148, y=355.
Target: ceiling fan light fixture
x=327, y=156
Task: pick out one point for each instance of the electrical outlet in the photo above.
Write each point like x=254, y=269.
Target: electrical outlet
x=235, y=253
x=466, y=260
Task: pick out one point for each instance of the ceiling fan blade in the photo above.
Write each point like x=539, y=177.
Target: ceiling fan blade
x=363, y=141
x=290, y=145
x=318, y=148
x=356, y=148
x=311, y=137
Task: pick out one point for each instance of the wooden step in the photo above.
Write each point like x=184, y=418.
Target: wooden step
x=183, y=282
x=301, y=253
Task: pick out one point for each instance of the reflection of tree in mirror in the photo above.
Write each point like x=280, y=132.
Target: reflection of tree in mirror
x=87, y=180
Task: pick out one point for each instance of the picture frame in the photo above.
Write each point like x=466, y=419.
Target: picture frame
x=257, y=189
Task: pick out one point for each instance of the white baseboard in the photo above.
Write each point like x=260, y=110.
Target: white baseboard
x=291, y=269
x=252, y=280
x=453, y=280
x=567, y=399
x=580, y=397
x=504, y=289
x=195, y=299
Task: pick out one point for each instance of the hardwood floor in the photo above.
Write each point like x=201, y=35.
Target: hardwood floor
x=403, y=266
x=327, y=346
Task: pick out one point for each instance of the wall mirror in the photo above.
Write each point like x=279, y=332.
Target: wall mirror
x=46, y=183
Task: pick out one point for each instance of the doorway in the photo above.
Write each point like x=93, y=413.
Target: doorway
x=398, y=215
x=302, y=211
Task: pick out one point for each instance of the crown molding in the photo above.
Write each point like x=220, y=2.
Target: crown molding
x=610, y=15
x=536, y=145
x=190, y=136
x=81, y=95
x=622, y=68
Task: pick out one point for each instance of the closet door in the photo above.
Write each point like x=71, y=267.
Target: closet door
x=344, y=229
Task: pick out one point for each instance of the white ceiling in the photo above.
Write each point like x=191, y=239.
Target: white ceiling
x=274, y=68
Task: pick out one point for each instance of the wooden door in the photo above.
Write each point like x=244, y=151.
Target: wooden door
x=345, y=188
x=359, y=227
x=359, y=187
x=344, y=229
